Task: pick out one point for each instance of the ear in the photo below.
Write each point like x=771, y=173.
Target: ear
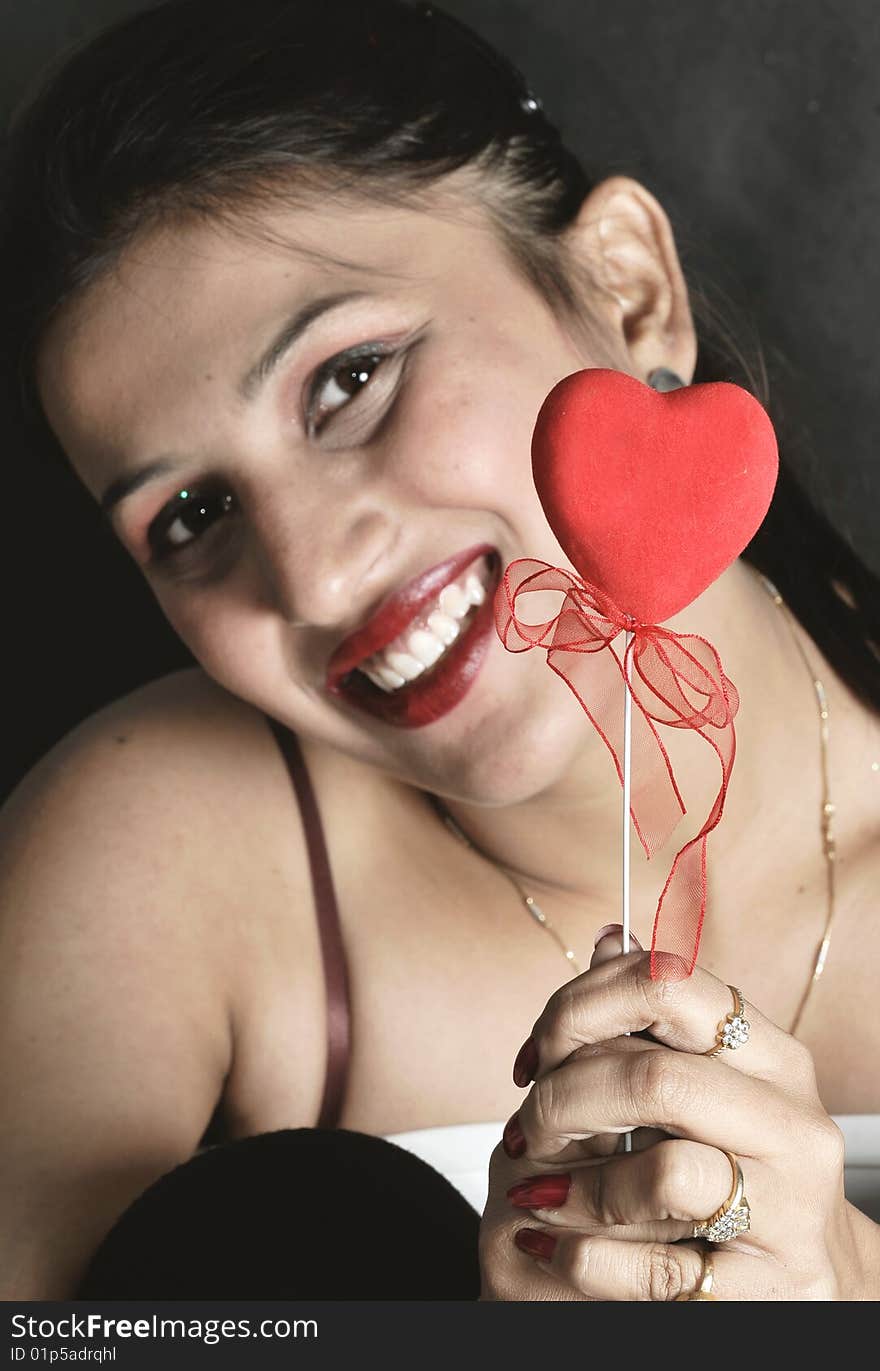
x=624, y=234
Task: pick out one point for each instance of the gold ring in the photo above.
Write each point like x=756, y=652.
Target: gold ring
x=733, y=1217
x=707, y=1277
x=732, y=1032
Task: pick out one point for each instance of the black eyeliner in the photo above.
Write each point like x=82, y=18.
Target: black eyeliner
x=383, y=352
x=361, y=352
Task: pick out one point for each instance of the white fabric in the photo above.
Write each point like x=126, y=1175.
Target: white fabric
x=461, y=1152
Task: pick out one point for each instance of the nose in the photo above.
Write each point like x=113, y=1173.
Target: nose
x=323, y=562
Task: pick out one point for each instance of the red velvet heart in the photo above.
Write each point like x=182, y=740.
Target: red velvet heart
x=651, y=495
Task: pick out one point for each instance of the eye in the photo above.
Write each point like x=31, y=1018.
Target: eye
x=192, y=513
x=186, y=519
x=340, y=380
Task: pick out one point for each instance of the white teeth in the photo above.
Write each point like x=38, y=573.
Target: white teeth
x=417, y=649
x=475, y=589
x=443, y=627
x=383, y=676
x=454, y=601
x=405, y=665
x=373, y=675
x=424, y=646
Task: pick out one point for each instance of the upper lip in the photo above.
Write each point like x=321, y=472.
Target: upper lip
x=396, y=611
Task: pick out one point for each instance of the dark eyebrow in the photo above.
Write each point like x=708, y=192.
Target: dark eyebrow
x=248, y=386
x=290, y=334
x=126, y=485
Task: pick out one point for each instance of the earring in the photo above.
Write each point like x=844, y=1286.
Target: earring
x=662, y=378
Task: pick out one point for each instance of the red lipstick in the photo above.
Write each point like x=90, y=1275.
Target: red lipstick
x=440, y=688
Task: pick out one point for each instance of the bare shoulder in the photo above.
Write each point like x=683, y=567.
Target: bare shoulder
x=141, y=868
x=169, y=720
x=183, y=735
x=138, y=789
x=181, y=786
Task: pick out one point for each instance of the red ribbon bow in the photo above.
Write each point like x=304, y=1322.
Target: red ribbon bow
x=661, y=667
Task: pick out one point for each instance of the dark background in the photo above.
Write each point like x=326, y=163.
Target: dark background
x=755, y=122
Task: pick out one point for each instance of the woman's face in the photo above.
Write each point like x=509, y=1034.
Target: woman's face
x=321, y=526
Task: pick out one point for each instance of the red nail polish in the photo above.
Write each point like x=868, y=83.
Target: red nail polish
x=525, y=1068
x=513, y=1137
x=537, y=1244
x=540, y=1192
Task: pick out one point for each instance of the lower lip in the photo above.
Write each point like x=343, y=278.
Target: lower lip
x=438, y=691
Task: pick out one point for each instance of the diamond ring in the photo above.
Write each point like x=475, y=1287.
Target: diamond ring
x=732, y=1032
x=733, y=1217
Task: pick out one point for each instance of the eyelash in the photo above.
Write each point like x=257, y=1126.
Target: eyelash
x=158, y=530
x=365, y=352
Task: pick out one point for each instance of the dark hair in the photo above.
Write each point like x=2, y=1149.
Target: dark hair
x=211, y=108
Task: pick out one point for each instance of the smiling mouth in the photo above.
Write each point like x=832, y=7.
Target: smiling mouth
x=433, y=658
x=429, y=636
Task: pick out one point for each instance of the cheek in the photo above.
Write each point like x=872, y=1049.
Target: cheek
x=236, y=643
x=521, y=737
x=473, y=440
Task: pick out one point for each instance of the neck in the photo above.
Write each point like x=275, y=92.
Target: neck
x=565, y=843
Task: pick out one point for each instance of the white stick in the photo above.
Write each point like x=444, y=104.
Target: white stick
x=627, y=773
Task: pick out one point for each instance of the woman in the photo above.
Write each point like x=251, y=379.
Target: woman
x=289, y=283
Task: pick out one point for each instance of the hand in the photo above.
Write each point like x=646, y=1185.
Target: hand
x=610, y=1227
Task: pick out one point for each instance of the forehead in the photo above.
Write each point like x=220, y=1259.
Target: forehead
x=198, y=293
x=166, y=279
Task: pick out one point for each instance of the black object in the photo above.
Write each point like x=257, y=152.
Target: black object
x=303, y=1213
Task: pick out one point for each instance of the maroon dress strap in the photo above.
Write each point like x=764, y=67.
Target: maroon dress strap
x=332, y=946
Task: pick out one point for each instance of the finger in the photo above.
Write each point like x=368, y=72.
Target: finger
x=662, y=1192
x=549, y=1201
x=603, y=1268
x=609, y=944
x=602, y=1144
x=619, y=997
x=606, y=1144
x=688, y=1097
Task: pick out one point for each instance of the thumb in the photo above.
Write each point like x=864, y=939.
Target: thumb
x=609, y=944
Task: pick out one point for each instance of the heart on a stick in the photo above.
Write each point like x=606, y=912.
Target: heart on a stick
x=652, y=495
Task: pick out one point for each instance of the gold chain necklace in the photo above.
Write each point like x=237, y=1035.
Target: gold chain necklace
x=827, y=810
x=829, y=846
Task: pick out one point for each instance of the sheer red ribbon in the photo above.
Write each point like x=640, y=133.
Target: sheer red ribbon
x=675, y=679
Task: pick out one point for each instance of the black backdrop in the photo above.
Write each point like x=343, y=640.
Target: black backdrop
x=755, y=122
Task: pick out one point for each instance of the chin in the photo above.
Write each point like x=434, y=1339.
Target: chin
x=511, y=751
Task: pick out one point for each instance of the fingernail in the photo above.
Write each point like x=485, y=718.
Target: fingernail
x=534, y=1242
x=618, y=929
x=513, y=1137
x=525, y=1067
x=540, y=1192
